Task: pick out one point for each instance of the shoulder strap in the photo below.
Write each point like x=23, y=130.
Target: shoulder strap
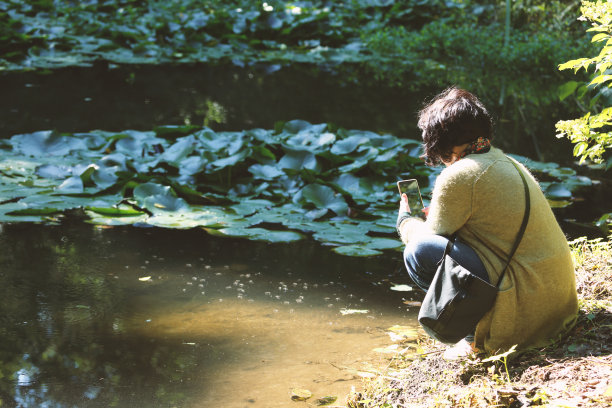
x=519, y=236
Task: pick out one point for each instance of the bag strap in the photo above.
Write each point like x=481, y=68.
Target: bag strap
x=519, y=236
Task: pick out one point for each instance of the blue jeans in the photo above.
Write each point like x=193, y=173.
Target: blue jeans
x=423, y=254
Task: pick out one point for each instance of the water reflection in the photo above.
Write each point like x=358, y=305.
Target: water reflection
x=148, y=317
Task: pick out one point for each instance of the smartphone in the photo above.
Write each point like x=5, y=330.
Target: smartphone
x=411, y=189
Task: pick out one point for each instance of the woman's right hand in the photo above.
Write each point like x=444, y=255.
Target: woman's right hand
x=404, y=206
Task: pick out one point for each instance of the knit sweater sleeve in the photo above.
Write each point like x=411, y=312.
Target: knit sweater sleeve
x=451, y=204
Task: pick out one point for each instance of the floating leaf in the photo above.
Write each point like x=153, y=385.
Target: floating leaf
x=46, y=143
x=557, y=191
x=356, y=250
x=324, y=197
x=298, y=159
x=116, y=212
x=265, y=172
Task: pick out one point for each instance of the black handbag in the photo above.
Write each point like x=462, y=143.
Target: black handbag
x=457, y=299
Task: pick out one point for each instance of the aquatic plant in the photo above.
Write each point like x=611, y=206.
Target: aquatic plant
x=335, y=185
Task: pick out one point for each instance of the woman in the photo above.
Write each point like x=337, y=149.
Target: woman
x=480, y=196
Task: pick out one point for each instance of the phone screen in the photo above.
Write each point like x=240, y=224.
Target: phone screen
x=411, y=189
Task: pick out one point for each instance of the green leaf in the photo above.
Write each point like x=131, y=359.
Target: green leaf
x=567, y=89
x=115, y=212
x=324, y=197
x=600, y=79
x=265, y=172
x=71, y=185
x=600, y=37
x=261, y=234
x=298, y=159
x=327, y=400
x=156, y=197
x=53, y=171
x=575, y=64
x=230, y=160
x=177, y=152
x=356, y=250
x=384, y=243
x=35, y=211
x=348, y=145
x=46, y=143
x=557, y=191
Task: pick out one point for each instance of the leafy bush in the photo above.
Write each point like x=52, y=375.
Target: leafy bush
x=522, y=76
x=591, y=133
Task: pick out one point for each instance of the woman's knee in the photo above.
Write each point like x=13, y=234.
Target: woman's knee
x=425, y=250
x=421, y=257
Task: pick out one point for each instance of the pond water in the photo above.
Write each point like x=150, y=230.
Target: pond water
x=148, y=317
x=229, y=97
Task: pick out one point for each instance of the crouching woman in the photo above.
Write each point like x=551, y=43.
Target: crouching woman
x=480, y=198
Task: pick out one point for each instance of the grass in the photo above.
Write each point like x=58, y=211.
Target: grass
x=574, y=372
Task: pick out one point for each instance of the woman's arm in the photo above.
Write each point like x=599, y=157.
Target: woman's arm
x=450, y=207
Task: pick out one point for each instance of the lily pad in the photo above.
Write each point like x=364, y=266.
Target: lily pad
x=356, y=250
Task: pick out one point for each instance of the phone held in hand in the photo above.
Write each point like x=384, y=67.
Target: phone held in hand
x=411, y=189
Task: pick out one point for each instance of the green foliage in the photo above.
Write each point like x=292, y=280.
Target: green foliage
x=54, y=34
x=258, y=184
x=590, y=133
x=517, y=81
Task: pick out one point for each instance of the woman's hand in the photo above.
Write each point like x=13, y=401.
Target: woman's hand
x=404, y=206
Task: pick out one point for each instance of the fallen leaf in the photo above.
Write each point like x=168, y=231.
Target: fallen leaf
x=298, y=394
x=392, y=349
x=412, y=303
x=326, y=400
x=402, y=288
x=352, y=311
x=408, y=332
x=365, y=374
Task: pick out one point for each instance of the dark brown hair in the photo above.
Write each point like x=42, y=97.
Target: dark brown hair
x=450, y=119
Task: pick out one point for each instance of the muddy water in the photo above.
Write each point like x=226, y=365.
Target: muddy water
x=146, y=317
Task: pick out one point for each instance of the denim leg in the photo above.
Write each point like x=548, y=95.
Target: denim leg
x=423, y=254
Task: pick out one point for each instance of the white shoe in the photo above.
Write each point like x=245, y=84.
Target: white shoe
x=460, y=350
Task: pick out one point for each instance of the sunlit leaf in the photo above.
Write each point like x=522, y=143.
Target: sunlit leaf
x=345, y=312
x=46, y=143
x=298, y=394
x=401, y=288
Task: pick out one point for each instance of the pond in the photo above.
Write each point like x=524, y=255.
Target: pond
x=228, y=97
x=149, y=317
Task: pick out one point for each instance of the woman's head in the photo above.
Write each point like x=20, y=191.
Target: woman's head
x=452, y=118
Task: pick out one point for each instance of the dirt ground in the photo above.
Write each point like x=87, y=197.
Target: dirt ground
x=577, y=372
x=574, y=372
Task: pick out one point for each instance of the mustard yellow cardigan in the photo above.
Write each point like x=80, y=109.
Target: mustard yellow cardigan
x=481, y=197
